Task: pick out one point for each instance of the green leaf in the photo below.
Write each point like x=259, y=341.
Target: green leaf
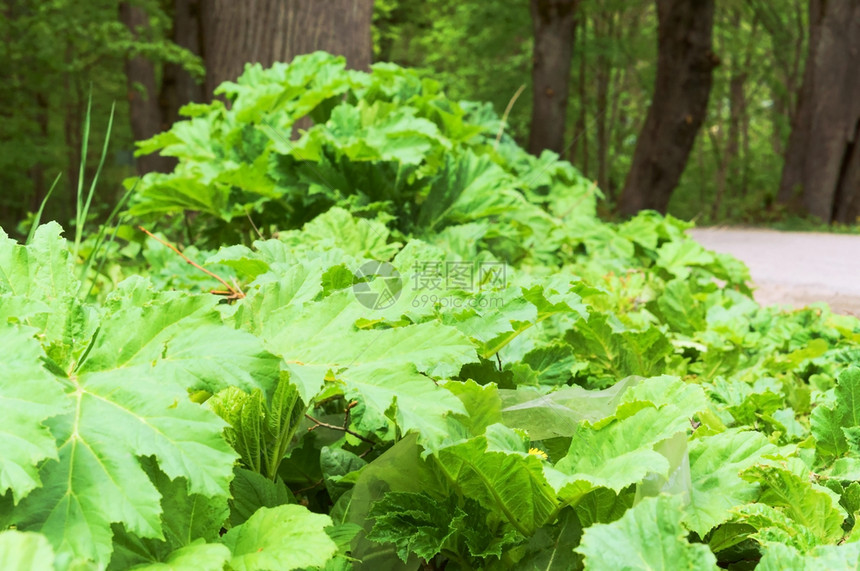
x=716, y=463
x=181, y=338
x=648, y=536
x=617, y=351
x=355, y=236
x=623, y=449
x=98, y=480
x=832, y=425
x=496, y=471
x=797, y=503
x=465, y=189
x=197, y=556
x=251, y=491
x=414, y=522
x=260, y=430
x=187, y=519
x=778, y=557
x=25, y=551
x=284, y=538
x=385, y=368
x=40, y=277
x=551, y=547
x=680, y=310
x=336, y=464
x=29, y=395
x=678, y=257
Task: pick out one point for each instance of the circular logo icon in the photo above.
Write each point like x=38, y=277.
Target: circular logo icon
x=377, y=285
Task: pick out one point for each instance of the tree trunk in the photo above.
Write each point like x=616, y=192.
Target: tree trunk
x=178, y=86
x=580, y=137
x=147, y=118
x=266, y=31
x=604, y=28
x=685, y=64
x=821, y=175
x=554, y=24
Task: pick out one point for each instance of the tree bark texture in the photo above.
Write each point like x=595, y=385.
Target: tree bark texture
x=266, y=31
x=554, y=24
x=821, y=175
x=146, y=114
x=685, y=64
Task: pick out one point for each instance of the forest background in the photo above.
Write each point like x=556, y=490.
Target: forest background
x=731, y=111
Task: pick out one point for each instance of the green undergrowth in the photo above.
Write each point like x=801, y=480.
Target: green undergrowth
x=465, y=369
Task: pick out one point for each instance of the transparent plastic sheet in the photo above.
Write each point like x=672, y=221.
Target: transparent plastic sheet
x=679, y=481
x=559, y=413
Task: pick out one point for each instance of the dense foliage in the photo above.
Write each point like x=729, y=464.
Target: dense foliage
x=514, y=385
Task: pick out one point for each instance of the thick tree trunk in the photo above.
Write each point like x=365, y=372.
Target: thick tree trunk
x=684, y=75
x=554, y=23
x=178, y=86
x=266, y=31
x=147, y=117
x=821, y=175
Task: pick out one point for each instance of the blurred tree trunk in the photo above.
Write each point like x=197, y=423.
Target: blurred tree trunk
x=684, y=76
x=821, y=175
x=145, y=111
x=554, y=24
x=604, y=28
x=784, y=23
x=266, y=31
x=580, y=135
x=178, y=86
x=730, y=159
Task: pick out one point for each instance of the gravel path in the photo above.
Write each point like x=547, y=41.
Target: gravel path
x=794, y=268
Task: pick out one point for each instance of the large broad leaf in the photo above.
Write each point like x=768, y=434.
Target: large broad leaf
x=616, y=455
x=792, y=509
x=117, y=416
x=551, y=547
x=680, y=310
x=497, y=471
x=188, y=520
x=384, y=367
x=356, y=236
x=28, y=396
x=616, y=351
x=284, y=538
x=181, y=338
x=38, y=288
x=415, y=523
x=832, y=425
x=678, y=257
x=716, y=464
x=466, y=189
x=129, y=399
x=25, y=551
x=649, y=536
x=778, y=557
x=560, y=412
x=197, y=556
x=40, y=270
x=422, y=525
